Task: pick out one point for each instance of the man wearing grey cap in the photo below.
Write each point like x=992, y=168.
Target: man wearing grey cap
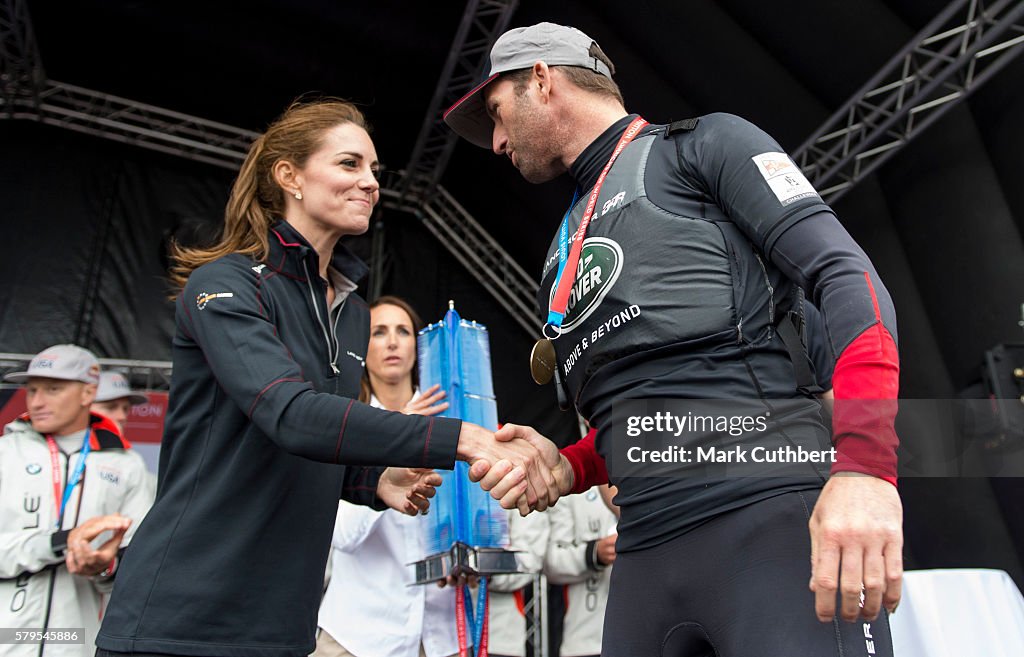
x=72, y=493
x=674, y=276
x=115, y=398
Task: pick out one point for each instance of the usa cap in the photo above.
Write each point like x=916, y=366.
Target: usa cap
x=63, y=361
x=114, y=385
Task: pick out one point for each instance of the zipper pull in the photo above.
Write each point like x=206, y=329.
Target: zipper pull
x=335, y=368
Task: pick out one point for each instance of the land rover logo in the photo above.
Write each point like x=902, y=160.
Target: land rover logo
x=598, y=269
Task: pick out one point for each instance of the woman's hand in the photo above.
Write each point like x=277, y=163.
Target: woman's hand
x=408, y=490
x=429, y=403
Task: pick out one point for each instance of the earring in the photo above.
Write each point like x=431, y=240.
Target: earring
x=298, y=196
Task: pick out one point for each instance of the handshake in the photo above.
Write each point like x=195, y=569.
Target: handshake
x=521, y=468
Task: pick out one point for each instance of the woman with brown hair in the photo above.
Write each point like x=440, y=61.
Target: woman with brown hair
x=370, y=606
x=268, y=354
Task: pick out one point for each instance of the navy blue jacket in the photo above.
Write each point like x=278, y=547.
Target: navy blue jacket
x=230, y=560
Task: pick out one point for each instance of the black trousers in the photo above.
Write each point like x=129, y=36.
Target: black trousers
x=737, y=586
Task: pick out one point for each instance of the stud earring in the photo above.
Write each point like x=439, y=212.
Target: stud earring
x=298, y=196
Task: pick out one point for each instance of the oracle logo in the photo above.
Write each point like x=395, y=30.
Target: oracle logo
x=148, y=410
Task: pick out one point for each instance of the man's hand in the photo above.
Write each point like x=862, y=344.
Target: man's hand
x=80, y=556
x=408, y=490
x=429, y=403
x=533, y=484
x=856, y=545
x=608, y=493
x=606, y=550
x=472, y=581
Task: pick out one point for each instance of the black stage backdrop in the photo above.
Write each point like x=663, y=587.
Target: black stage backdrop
x=87, y=220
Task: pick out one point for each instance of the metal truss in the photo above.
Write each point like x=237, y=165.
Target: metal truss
x=958, y=51
x=28, y=94
x=21, y=69
x=536, y=612
x=152, y=375
x=473, y=246
x=482, y=22
x=131, y=122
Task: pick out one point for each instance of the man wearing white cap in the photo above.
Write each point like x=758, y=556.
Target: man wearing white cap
x=67, y=478
x=115, y=398
x=674, y=277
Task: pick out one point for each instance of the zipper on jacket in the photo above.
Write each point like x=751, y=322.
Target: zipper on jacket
x=771, y=294
x=332, y=348
x=56, y=567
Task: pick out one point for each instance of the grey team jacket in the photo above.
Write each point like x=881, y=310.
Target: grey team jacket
x=262, y=411
x=700, y=236
x=36, y=589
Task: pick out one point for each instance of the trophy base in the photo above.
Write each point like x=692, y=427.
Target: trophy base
x=464, y=559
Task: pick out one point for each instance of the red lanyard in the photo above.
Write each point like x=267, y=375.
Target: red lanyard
x=460, y=622
x=61, y=497
x=55, y=470
x=480, y=650
x=561, y=298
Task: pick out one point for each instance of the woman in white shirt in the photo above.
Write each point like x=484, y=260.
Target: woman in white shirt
x=369, y=609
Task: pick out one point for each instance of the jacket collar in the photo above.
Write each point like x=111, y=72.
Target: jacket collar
x=289, y=253
x=104, y=435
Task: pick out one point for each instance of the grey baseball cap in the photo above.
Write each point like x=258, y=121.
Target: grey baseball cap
x=522, y=47
x=63, y=361
x=114, y=385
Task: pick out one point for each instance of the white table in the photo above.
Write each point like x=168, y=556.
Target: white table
x=959, y=613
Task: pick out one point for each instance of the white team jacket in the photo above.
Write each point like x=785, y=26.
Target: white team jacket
x=36, y=589
x=506, y=622
x=577, y=522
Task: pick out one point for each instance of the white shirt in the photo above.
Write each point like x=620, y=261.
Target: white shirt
x=370, y=607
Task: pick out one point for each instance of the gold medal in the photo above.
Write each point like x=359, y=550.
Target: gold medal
x=542, y=361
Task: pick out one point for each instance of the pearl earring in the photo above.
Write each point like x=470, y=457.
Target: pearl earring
x=298, y=196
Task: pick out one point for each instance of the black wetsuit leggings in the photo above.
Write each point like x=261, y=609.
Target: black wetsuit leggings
x=734, y=587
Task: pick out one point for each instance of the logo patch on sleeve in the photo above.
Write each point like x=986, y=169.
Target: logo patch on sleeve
x=786, y=181
x=203, y=298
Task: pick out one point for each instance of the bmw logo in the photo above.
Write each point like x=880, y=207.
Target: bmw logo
x=33, y=468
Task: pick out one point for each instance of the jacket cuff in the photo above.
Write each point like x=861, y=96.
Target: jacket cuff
x=866, y=386
x=441, y=443
x=588, y=467
x=591, y=556
x=360, y=487
x=59, y=542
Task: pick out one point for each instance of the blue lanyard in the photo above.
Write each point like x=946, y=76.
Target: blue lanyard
x=559, y=304
x=75, y=478
x=476, y=621
x=563, y=253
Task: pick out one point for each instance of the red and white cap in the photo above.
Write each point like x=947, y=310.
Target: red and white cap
x=63, y=361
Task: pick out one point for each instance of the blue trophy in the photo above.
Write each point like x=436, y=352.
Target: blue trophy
x=467, y=530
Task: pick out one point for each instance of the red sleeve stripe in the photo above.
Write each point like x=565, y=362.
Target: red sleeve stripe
x=426, y=445
x=252, y=407
x=866, y=385
x=341, y=433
